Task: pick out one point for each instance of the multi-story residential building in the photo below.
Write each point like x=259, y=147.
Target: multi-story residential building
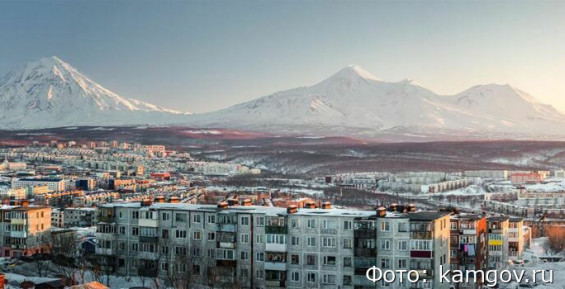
x=516, y=241
x=468, y=243
x=53, y=184
x=29, y=229
x=58, y=218
x=79, y=217
x=270, y=247
x=497, y=236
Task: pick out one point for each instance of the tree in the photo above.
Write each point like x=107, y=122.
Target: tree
x=555, y=239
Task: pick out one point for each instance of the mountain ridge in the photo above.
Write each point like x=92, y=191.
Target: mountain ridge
x=51, y=93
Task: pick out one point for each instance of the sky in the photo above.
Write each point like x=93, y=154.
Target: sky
x=201, y=56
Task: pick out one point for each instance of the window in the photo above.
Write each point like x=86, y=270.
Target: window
x=135, y=231
x=245, y=221
x=420, y=245
x=347, y=262
x=329, y=260
x=347, y=225
x=260, y=221
x=311, y=259
x=211, y=236
x=135, y=215
x=260, y=256
x=385, y=226
x=311, y=223
x=165, y=216
x=329, y=224
x=311, y=241
x=180, y=234
x=244, y=238
x=295, y=259
x=165, y=234
x=385, y=263
x=347, y=243
x=402, y=245
x=311, y=277
x=347, y=280
x=328, y=242
x=196, y=235
x=260, y=239
x=197, y=218
x=453, y=225
x=225, y=255
x=181, y=251
x=385, y=244
x=276, y=239
x=211, y=219
x=295, y=223
x=244, y=255
x=402, y=264
x=402, y=227
x=295, y=276
x=180, y=217
x=196, y=252
x=328, y=279
x=295, y=241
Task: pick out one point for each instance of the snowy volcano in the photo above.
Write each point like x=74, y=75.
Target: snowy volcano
x=51, y=93
x=353, y=101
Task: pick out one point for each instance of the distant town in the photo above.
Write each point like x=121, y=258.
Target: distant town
x=126, y=213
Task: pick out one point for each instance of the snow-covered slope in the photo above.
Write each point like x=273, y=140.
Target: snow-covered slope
x=51, y=93
x=353, y=100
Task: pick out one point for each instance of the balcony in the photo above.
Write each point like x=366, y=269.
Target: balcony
x=270, y=247
x=18, y=234
x=468, y=232
x=275, y=283
x=148, y=239
x=226, y=245
x=428, y=273
x=227, y=227
x=106, y=219
x=19, y=246
x=153, y=223
x=277, y=266
x=226, y=263
x=276, y=230
x=365, y=234
x=423, y=235
x=364, y=252
x=105, y=251
x=148, y=272
x=19, y=222
x=328, y=231
x=105, y=236
x=148, y=255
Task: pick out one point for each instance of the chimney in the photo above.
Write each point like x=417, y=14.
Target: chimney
x=25, y=203
x=326, y=205
x=223, y=205
x=393, y=207
x=381, y=212
x=246, y=202
x=146, y=203
x=310, y=205
x=412, y=208
x=291, y=209
x=160, y=199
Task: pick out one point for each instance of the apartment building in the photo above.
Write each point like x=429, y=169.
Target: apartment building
x=53, y=184
x=25, y=230
x=497, y=237
x=79, y=217
x=468, y=243
x=516, y=240
x=269, y=247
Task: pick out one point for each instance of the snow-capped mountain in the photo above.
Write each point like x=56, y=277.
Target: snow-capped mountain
x=51, y=93
x=354, y=101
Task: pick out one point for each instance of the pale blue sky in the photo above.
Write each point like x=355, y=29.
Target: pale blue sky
x=204, y=55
